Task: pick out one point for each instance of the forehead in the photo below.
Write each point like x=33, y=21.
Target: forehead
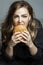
x=22, y=10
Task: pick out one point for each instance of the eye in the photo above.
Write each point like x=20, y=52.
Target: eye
x=15, y=16
x=24, y=16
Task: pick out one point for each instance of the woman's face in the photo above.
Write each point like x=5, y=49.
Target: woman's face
x=21, y=16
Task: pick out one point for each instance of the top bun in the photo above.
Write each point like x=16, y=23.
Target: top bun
x=20, y=28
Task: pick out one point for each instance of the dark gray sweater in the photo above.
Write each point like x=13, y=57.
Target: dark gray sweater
x=22, y=55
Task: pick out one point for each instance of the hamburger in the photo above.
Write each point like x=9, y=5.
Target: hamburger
x=20, y=28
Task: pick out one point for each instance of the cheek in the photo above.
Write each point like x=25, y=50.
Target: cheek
x=15, y=21
x=26, y=22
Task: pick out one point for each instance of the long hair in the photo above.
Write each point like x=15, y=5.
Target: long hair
x=7, y=26
x=34, y=28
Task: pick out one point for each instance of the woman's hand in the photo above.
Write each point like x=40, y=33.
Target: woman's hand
x=16, y=37
x=26, y=38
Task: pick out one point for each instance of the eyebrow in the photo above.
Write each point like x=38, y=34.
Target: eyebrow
x=22, y=14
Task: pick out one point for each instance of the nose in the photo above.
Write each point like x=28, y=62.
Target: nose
x=20, y=20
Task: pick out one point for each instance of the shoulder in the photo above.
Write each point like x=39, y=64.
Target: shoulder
x=38, y=27
x=37, y=23
x=40, y=35
x=39, y=38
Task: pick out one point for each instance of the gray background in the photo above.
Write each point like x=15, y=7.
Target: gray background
x=36, y=4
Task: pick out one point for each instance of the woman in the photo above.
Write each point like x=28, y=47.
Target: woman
x=21, y=48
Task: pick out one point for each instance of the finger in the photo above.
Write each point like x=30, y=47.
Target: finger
x=17, y=42
x=24, y=34
x=24, y=37
x=27, y=32
x=13, y=44
x=19, y=35
x=16, y=33
x=18, y=39
x=23, y=41
x=16, y=36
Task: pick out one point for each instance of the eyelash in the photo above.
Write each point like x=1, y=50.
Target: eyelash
x=18, y=16
x=15, y=16
x=24, y=16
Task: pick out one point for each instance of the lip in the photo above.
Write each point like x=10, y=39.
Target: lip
x=19, y=24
